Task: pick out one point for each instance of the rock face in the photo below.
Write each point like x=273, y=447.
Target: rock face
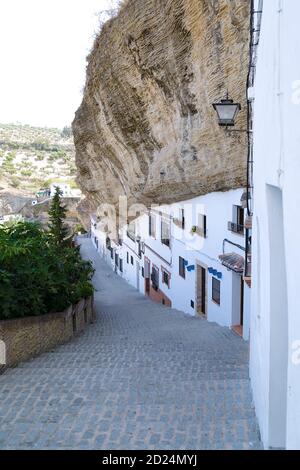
x=13, y=201
x=146, y=127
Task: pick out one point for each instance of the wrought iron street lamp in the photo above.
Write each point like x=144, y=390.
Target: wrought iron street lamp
x=227, y=111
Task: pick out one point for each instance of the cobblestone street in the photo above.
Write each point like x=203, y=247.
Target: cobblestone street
x=142, y=377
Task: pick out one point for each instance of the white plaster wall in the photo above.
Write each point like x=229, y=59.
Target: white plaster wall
x=218, y=209
x=193, y=248
x=277, y=163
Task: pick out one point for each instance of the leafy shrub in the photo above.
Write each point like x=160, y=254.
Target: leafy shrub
x=15, y=182
x=26, y=172
x=36, y=275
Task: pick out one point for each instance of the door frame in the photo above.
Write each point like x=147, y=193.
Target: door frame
x=200, y=265
x=147, y=274
x=237, y=303
x=137, y=275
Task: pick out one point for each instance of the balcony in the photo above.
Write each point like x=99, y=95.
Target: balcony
x=236, y=228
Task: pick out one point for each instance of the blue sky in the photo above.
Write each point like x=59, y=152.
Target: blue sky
x=43, y=49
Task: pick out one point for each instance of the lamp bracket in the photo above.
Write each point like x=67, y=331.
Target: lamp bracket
x=227, y=129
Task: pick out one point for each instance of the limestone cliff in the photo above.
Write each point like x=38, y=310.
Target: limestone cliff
x=146, y=127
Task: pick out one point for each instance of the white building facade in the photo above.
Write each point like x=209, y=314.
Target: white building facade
x=188, y=255
x=64, y=188
x=275, y=316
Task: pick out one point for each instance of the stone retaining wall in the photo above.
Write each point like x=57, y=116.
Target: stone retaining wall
x=24, y=338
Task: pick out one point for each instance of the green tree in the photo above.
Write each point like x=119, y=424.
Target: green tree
x=66, y=132
x=37, y=276
x=58, y=231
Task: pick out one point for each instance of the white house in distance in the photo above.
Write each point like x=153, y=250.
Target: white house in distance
x=275, y=317
x=64, y=187
x=187, y=255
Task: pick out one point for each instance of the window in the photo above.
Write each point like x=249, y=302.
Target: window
x=237, y=224
x=112, y=253
x=155, y=277
x=192, y=304
x=121, y=265
x=131, y=260
x=127, y=257
x=152, y=225
x=165, y=277
x=139, y=249
x=116, y=259
x=143, y=272
x=202, y=225
x=165, y=232
x=182, y=267
x=131, y=231
x=216, y=290
x=182, y=218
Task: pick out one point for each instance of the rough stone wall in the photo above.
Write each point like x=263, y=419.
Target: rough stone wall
x=146, y=127
x=27, y=337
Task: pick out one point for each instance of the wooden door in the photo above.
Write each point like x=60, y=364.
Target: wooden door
x=201, y=290
x=147, y=276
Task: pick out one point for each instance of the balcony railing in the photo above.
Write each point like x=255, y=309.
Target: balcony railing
x=236, y=228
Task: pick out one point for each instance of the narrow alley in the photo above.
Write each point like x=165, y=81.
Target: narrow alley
x=143, y=377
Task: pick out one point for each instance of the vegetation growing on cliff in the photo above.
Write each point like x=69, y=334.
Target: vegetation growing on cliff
x=33, y=157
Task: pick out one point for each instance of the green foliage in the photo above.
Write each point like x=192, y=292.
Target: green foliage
x=37, y=276
x=15, y=182
x=49, y=152
x=79, y=229
x=66, y=132
x=26, y=172
x=57, y=215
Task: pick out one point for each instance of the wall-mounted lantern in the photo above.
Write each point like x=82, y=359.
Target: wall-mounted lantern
x=227, y=111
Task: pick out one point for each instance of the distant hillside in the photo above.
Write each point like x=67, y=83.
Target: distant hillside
x=32, y=157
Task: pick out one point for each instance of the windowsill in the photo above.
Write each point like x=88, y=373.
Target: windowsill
x=164, y=244
x=216, y=303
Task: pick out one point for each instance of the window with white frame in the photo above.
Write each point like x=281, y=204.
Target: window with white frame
x=165, y=231
x=152, y=225
x=165, y=277
x=202, y=229
x=131, y=229
x=216, y=290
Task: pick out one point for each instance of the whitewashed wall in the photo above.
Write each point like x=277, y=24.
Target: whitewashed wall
x=275, y=319
x=218, y=208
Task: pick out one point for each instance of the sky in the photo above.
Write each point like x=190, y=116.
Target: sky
x=43, y=49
